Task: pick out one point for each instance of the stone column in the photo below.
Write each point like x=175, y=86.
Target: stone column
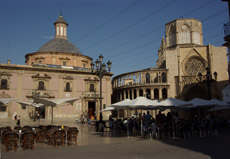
x=152, y=93
x=160, y=93
x=124, y=94
x=137, y=91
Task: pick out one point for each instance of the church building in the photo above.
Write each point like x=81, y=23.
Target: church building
x=56, y=70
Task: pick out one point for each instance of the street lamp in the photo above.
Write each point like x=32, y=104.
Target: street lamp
x=100, y=71
x=208, y=79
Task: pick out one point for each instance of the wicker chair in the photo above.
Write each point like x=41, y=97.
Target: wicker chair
x=27, y=140
x=10, y=141
x=59, y=137
x=72, y=136
x=42, y=136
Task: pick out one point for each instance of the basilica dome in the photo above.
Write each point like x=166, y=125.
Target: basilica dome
x=59, y=52
x=59, y=45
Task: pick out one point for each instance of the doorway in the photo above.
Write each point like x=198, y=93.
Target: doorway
x=41, y=111
x=91, y=110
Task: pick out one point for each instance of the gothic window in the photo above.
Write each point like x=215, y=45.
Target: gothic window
x=196, y=38
x=164, y=93
x=156, y=93
x=147, y=77
x=184, y=35
x=41, y=85
x=3, y=84
x=194, y=66
x=67, y=87
x=141, y=92
x=172, y=37
x=163, y=76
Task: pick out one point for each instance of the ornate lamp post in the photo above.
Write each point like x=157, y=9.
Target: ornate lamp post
x=100, y=71
x=208, y=79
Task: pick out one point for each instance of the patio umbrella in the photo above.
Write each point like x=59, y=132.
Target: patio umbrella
x=220, y=105
x=5, y=101
x=54, y=102
x=142, y=103
x=121, y=105
x=108, y=109
x=198, y=102
x=173, y=103
x=31, y=103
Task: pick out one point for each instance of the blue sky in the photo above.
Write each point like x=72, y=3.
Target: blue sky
x=127, y=32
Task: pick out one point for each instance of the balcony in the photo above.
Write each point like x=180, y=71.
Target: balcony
x=91, y=95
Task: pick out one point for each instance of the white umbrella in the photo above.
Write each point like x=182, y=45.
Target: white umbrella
x=220, y=105
x=121, y=105
x=108, y=109
x=198, y=102
x=173, y=103
x=54, y=102
x=30, y=103
x=142, y=103
x=219, y=102
x=6, y=100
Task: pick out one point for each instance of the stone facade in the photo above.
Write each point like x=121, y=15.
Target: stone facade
x=181, y=57
x=63, y=73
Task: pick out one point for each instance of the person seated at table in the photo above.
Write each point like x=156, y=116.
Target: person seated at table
x=148, y=118
x=160, y=118
x=111, y=122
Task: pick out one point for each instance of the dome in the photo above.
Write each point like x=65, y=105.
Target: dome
x=59, y=45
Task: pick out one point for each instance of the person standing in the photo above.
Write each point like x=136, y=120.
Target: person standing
x=18, y=121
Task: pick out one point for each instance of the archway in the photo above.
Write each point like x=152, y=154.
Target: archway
x=194, y=91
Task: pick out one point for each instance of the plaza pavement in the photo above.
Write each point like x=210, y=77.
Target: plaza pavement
x=96, y=145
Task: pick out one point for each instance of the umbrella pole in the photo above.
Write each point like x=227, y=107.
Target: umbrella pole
x=141, y=123
x=52, y=115
x=127, y=124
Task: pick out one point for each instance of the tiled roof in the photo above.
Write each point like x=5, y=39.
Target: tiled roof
x=59, y=45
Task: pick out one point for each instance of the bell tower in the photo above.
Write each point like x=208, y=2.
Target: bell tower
x=61, y=27
x=184, y=32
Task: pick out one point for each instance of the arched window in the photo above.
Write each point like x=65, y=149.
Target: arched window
x=147, y=77
x=91, y=88
x=156, y=94
x=127, y=94
x=135, y=94
x=184, y=35
x=172, y=36
x=141, y=92
x=67, y=87
x=130, y=94
x=3, y=84
x=41, y=85
x=148, y=94
x=163, y=77
x=164, y=93
x=156, y=78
